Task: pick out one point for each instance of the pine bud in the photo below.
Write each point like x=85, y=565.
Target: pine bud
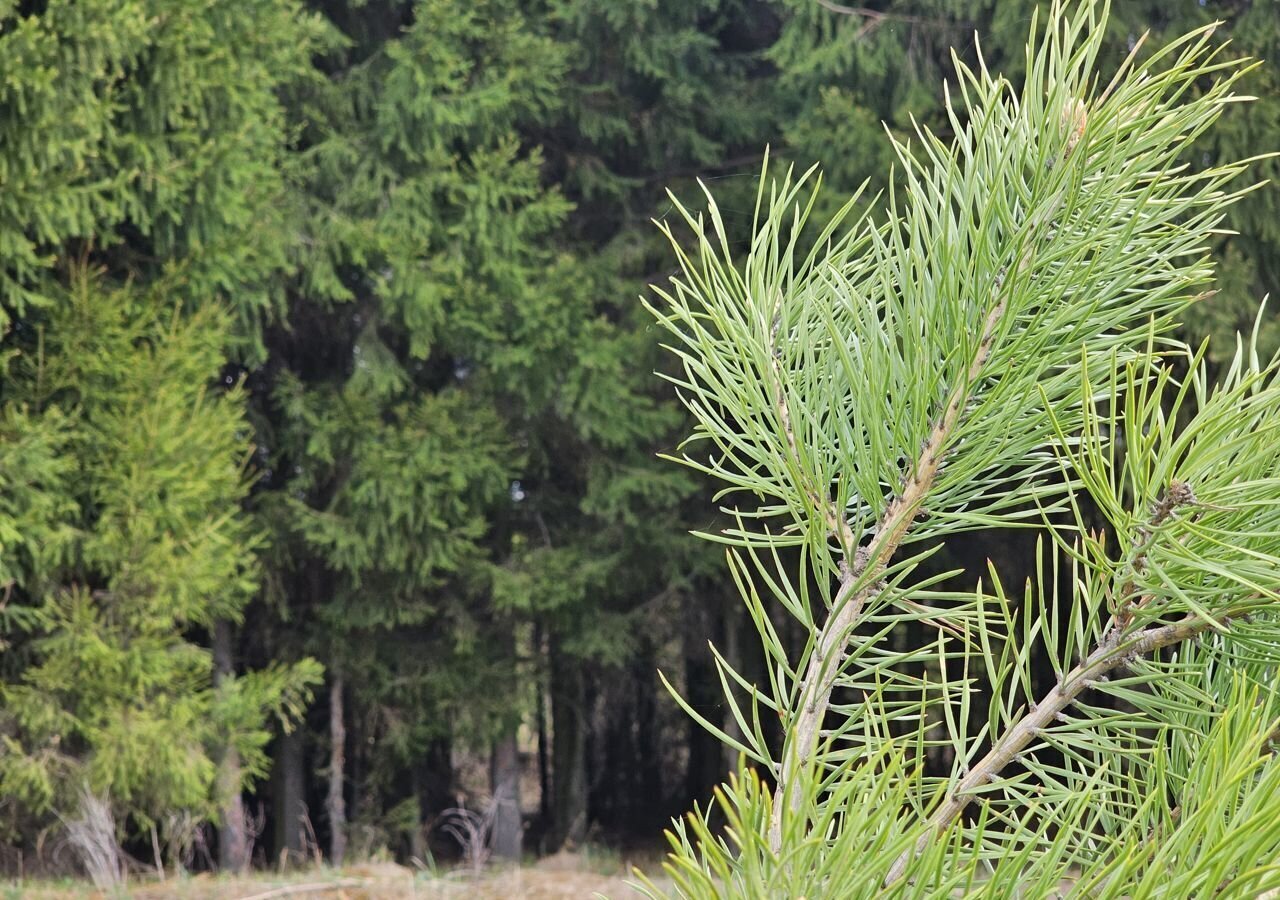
x=1074, y=118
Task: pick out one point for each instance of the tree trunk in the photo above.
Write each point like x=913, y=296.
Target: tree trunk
x=504, y=772
x=541, y=696
x=702, y=691
x=233, y=838
x=336, y=805
x=733, y=654
x=569, y=751
x=290, y=804
x=417, y=834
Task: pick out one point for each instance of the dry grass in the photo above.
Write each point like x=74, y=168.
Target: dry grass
x=92, y=837
x=561, y=876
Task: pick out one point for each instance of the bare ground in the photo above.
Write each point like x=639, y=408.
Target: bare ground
x=561, y=876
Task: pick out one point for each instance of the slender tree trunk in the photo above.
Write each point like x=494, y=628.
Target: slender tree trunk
x=569, y=751
x=732, y=653
x=417, y=836
x=290, y=805
x=233, y=838
x=336, y=805
x=504, y=771
x=702, y=690
x=544, y=761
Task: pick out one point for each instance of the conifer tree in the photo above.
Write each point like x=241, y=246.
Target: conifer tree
x=424, y=310
x=112, y=697
x=141, y=160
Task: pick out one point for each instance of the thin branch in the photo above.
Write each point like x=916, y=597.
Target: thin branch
x=894, y=524
x=1109, y=655
x=315, y=887
x=1179, y=494
x=706, y=172
x=820, y=675
x=876, y=16
x=1112, y=651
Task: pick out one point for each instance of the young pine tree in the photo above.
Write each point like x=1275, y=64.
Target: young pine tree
x=995, y=351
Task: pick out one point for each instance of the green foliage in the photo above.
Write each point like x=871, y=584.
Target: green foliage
x=455, y=423
x=1246, y=254
x=656, y=85
x=418, y=227
x=995, y=350
x=409, y=513
x=281, y=691
x=35, y=512
x=843, y=71
x=142, y=163
x=419, y=201
x=426, y=302
x=130, y=128
x=112, y=695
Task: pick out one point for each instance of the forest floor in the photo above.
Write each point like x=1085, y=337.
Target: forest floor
x=560, y=876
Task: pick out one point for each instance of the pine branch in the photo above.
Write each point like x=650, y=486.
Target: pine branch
x=857, y=585
x=1113, y=651
x=818, y=379
x=1108, y=656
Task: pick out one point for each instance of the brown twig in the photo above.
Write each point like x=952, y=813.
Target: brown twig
x=1178, y=494
x=1109, y=655
x=861, y=578
x=820, y=674
x=315, y=887
x=1112, y=651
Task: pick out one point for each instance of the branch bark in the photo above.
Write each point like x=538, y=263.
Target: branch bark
x=1109, y=655
x=1112, y=651
x=861, y=576
x=857, y=585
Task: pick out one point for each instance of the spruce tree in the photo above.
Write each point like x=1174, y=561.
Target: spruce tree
x=112, y=696
x=141, y=158
x=425, y=309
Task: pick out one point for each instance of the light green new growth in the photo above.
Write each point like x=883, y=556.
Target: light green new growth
x=995, y=351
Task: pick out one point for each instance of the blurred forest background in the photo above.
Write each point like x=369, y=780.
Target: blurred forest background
x=329, y=490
